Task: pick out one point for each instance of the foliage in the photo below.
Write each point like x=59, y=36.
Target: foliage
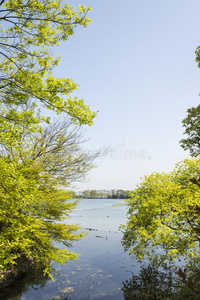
x=120, y=194
x=28, y=214
x=192, y=124
x=164, y=213
x=38, y=162
x=192, y=130
x=114, y=194
x=28, y=30
x=33, y=202
x=57, y=149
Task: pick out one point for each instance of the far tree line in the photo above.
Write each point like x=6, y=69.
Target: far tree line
x=105, y=194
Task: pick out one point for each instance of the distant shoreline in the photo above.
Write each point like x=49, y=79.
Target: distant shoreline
x=98, y=198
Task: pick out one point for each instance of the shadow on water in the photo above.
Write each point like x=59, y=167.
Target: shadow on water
x=149, y=284
x=104, y=271
x=153, y=284
x=34, y=279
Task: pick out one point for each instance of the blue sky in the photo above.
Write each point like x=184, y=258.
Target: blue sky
x=135, y=64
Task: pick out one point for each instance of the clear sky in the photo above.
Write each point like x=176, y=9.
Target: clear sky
x=135, y=64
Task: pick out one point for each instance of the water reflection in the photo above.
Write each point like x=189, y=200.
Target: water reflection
x=34, y=279
x=61, y=298
x=149, y=284
x=104, y=269
x=154, y=284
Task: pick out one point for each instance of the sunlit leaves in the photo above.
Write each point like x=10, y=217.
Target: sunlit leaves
x=38, y=163
x=28, y=212
x=29, y=29
x=164, y=215
x=37, y=167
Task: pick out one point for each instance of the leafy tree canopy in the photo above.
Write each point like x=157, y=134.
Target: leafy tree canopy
x=29, y=209
x=192, y=130
x=164, y=215
x=38, y=162
x=34, y=201
x=28, y=30
x=192, y=124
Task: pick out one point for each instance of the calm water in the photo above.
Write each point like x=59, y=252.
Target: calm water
x=102, y=268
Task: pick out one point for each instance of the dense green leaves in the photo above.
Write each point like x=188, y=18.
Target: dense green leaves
x=192, y=129
x=28, y=29
x=192, y=124
x=38, y=162
x=164, y=215
x=32, y=197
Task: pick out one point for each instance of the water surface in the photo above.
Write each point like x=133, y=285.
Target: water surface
x=102, y=268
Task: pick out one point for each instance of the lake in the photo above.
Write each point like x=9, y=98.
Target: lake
x=102, y=268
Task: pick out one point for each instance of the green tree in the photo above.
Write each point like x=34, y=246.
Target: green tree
x=192, y=124
x=93, y=194
x=38, y=162
x=29, y=210
x=85, y=194
x=164, y=213
x=192, y=129
x=32, y=177
x=28, y=31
